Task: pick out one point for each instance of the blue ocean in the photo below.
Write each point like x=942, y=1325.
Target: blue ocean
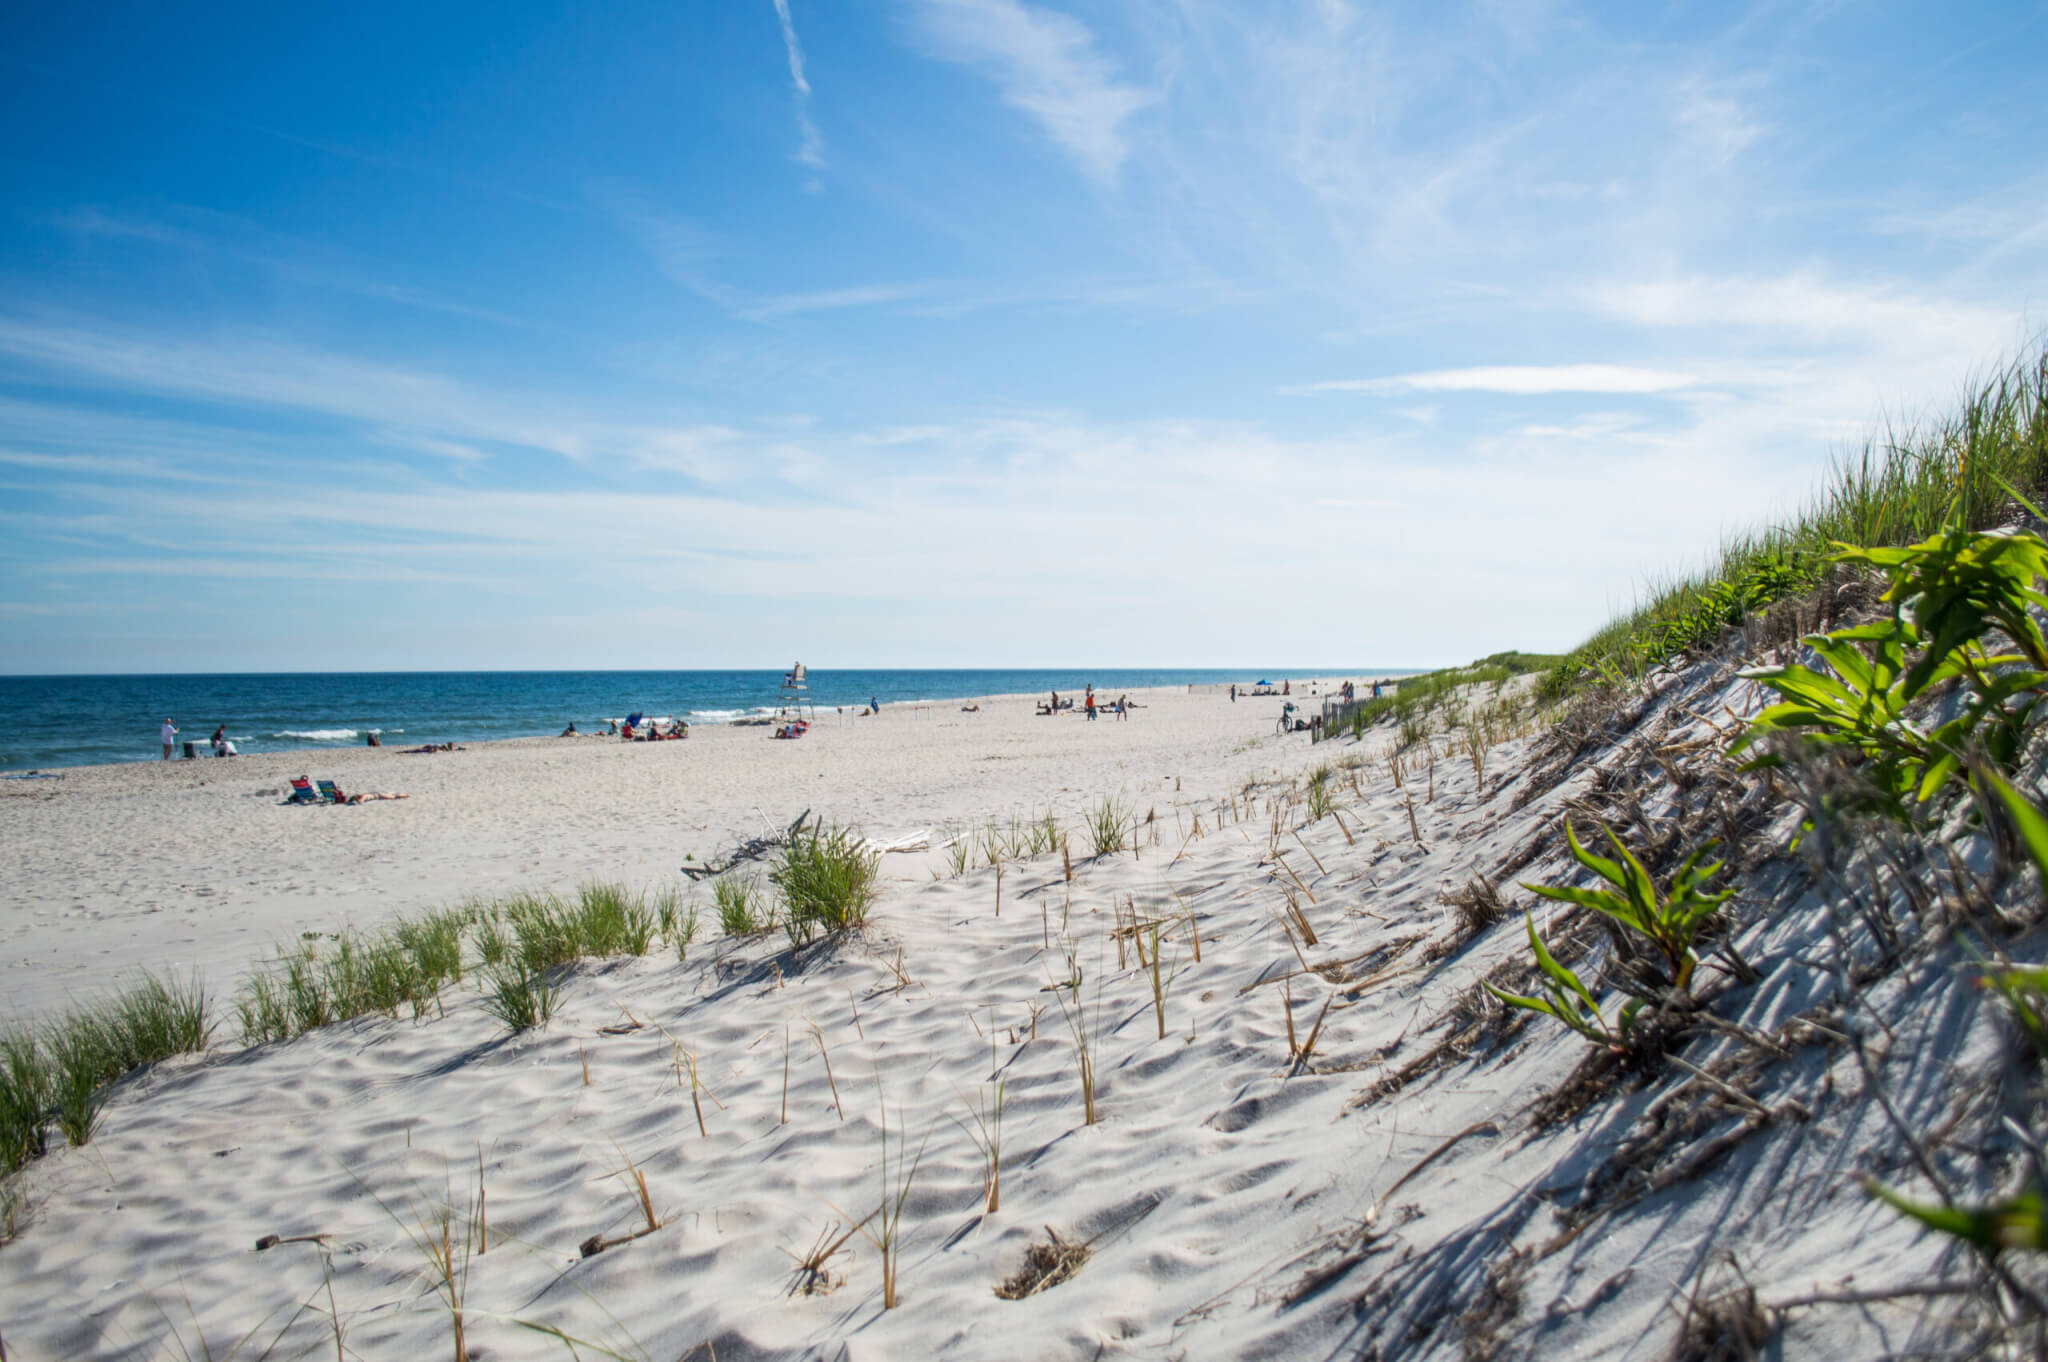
x=50, y=721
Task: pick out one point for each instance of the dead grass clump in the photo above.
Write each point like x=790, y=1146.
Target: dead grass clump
x=1474, y=908
x=1729, y=1327
x=1602, y=1073
x=814, y=1274
x=1045, y=1266
x=1493, y=1309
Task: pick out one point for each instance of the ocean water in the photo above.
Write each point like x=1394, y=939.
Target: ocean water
x=50, y=721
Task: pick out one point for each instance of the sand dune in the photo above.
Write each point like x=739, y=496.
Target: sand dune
x=1236, y=1201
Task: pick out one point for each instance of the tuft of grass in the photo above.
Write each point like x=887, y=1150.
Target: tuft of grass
x=1109, y=826
x=543, y=933
x=827, y=878
x=493, y=945
x=741, y=909
x=76, y=1049
x=27, y=1090
x=987, y=1131
x=1079, y=1028
x=67, y=1069
x=434, y=941
x=676, y=920
x=521, y=1001
x=886, y=1220
x=607, y=920
x=1318, y=799
x=15, y=1209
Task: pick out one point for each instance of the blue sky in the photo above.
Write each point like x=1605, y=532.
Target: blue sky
x=962, y=332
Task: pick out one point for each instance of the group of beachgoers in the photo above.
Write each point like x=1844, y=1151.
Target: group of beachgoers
x=1121, y=706
x=637, y=727
x=219, y=742
x=223, y=746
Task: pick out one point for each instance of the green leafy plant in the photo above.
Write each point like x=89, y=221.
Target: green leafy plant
x=1668, y=921
x=1947, y=593
x=1568, y=999
x=2015, y=1222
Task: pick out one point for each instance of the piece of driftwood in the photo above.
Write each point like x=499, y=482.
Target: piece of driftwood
x=753, y=849
x=597, y=1243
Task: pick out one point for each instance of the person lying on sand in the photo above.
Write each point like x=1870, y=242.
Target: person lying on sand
x=976, y=709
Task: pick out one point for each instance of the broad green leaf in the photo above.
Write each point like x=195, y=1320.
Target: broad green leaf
x=1599, y=865
x=2027, y=818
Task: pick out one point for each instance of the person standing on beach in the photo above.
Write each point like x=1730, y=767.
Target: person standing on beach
x=1233, y=692
x=170, y=736
x=1091, y=702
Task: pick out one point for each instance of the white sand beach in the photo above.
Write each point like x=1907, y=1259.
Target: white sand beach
x=1310, y=1154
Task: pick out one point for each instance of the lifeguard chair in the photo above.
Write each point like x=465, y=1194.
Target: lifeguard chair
x=793, y=711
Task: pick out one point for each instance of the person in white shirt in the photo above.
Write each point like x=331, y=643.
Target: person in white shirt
x=170, y=737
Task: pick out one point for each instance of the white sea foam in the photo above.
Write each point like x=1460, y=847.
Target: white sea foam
x=319, y=734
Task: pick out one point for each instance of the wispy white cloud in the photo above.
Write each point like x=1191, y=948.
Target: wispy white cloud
x=1044, y=63
x=827, y=300
x=1807, y=305
x=1517, y=379
x=1714, y=119
x=811, y=149
x=403, y=408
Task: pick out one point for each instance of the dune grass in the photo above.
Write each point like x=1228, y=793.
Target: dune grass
x=1902, y=486
x=61, y=1073
x=828, y=882
x=742, y=910
x=1109, y=825
x=676, y=921
x=520, y=1001
x=27, y=1090
x=1442, y=700
x=514, y=943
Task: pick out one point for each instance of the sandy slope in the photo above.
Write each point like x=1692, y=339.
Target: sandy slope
x=1236, y=1205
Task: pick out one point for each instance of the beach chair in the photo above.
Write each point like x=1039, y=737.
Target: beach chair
x=303, y=792
x=331, y=793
